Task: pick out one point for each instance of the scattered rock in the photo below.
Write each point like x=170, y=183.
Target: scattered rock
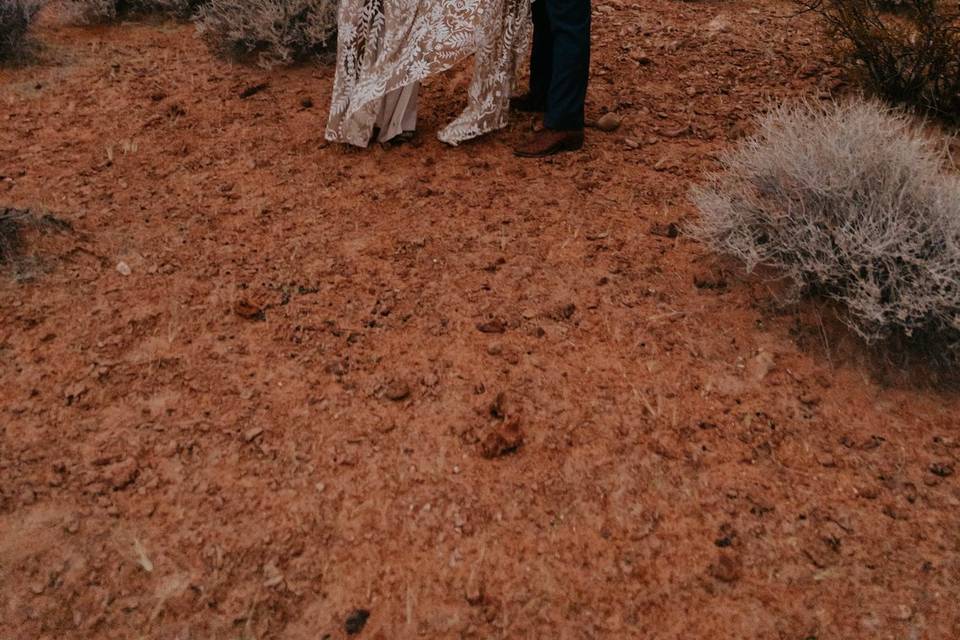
x=760, y=366
x=720, y=24
x=710, y=279
x=667, y=163
x=903, y=612
x=253, y=90
x=809, y=70
x=676, y=133
x=564, y=312
x=396, y=390
x=609, y=122
x=498, y=408
x=356, y=621
x=492, y=326
x=272, y=576
x=941, y=469
x=252, y=434
x=474, y=589
x=143, y=560
x=249, y=311
x=72, y=525
x=826, y=460
x=123, y=268
x=506, y=439
x=669, y=230
x=74, y=392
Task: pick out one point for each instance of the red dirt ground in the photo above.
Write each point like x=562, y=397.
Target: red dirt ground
x=674, y=457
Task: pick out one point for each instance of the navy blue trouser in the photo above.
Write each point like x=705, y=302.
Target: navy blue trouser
x=560, y=60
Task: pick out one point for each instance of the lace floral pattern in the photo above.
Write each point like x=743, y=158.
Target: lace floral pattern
x=387, y=44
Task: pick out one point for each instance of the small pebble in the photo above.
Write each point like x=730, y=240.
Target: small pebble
x=397, y=390
x=356, y=621
x=609, y=122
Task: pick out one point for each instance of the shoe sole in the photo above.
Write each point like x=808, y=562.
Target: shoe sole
x=560, y=148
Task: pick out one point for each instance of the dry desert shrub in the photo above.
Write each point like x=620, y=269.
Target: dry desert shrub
x=25, y=241
x=108, y=10
x=849, y=201
x=16, y=18
x=272, y=31
x=908, y=50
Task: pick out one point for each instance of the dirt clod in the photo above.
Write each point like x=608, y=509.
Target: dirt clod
x=505, y=439
x=121, y=474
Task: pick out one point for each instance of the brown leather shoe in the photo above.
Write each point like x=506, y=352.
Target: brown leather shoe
x=548, y=142
x=528, y=104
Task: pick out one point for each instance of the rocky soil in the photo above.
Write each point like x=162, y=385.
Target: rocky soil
x=253, y=385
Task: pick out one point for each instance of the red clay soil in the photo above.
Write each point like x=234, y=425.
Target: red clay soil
x=474, y=396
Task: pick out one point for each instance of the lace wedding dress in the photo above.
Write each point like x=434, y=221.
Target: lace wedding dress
x=387, y=46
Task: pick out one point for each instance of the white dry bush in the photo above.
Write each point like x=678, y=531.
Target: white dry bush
x=16, y=18
x=852, y=201
x=91, y=10
x=273, y=31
